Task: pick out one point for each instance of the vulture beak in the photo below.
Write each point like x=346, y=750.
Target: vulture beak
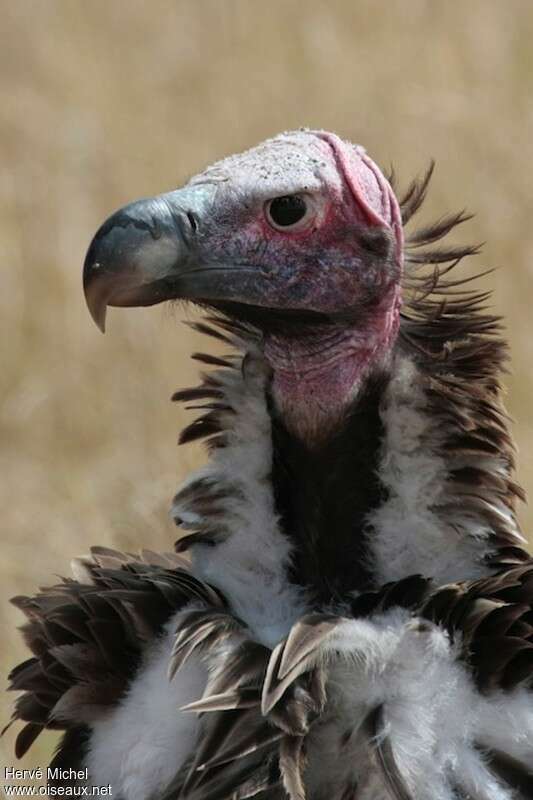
x=145, y=253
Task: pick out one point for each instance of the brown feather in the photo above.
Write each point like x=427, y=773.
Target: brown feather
x=88, y=639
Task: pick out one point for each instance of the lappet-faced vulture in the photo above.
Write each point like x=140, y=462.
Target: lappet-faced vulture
x=353, y=617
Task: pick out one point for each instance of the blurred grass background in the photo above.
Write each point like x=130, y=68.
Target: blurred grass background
x=108, y=100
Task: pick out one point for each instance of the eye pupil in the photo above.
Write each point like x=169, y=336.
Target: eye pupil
x=287, y=210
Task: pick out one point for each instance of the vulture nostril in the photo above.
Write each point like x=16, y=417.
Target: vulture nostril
x=155, y=230
x=192, y=221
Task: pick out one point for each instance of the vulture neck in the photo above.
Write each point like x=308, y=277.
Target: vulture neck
x=325, y=492
x=317, y=378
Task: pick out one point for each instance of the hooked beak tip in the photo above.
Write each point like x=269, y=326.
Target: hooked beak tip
x=99, y=320
x=140, y=253
x=95, y=299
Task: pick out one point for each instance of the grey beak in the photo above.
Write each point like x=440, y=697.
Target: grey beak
x=140, y=254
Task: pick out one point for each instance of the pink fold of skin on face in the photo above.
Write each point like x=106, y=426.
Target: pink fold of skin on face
x=370, y=189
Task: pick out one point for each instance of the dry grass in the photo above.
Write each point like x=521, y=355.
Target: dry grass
x=107, y=100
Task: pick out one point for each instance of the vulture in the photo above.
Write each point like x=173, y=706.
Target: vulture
x=348, y=612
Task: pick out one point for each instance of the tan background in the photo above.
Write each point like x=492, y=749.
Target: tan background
x=107, y=100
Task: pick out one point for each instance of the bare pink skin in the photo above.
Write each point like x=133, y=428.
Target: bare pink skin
x=316, y=378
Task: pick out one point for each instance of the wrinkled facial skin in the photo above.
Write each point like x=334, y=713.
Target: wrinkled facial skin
x=337, y=263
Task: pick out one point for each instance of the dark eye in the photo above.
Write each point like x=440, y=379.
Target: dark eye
x=287, y=211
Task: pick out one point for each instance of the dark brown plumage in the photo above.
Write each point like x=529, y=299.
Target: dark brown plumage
x=87, y=638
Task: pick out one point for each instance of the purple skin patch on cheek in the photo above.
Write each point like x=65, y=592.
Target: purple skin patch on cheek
x=340, y=265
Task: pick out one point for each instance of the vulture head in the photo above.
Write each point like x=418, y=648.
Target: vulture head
x=300, y=236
